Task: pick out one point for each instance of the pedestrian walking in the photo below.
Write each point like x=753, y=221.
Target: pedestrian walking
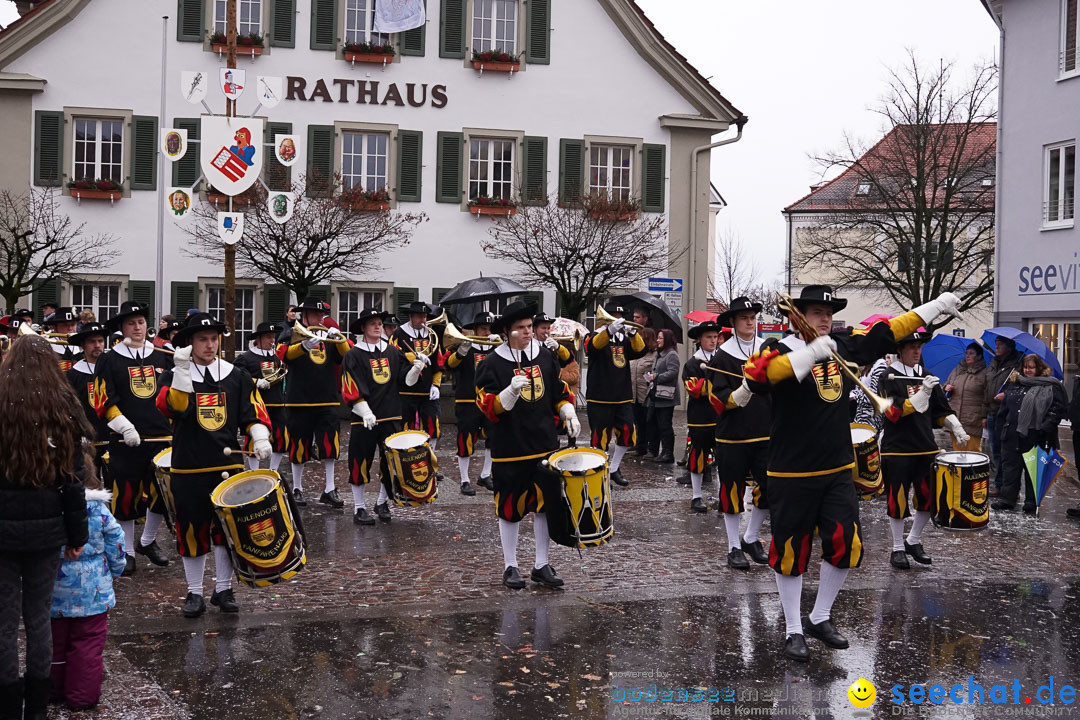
x=638, y=370
x=1006, y=359
x=966, y=389
x=664, y=394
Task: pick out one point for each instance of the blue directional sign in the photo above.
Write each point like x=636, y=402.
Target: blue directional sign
x=658, y=284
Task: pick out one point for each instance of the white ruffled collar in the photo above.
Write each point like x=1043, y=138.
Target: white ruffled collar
x=793, y=342
x=84, y=367
x=134, y=353
x=703, y=356
x=367, y=347
x=217, y=370
x=255, y=349
x=736, y=348
x=913, y=371
x=530, y=353
x=414, y=333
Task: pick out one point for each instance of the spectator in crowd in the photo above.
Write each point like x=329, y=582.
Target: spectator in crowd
x=638, y=369
x=193, y=311
x=164, y=331
x=85, y=316
x=966, y=388
x=571, y=375
x=1074, y=418
x=1032, y=406
x=42, y=509
x=1005, y=360
x=47, y=311
x=641, y=316
x=864, y=409
x=663, y=394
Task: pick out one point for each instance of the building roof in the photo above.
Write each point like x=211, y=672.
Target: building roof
x=888, y=156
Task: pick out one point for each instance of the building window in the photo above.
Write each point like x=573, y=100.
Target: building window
x=245, y=308
x=862, y=189
x=248, y=17
x=98, y=149
x=1059, y=191
x=103, y=299
x=359, y=20
x=351, y=302
x=495, y=25
x=1069, y=20
x=364, y=160
x=611, y=171
x=491, y=168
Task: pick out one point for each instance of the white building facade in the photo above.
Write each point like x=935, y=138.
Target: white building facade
x=598, y=101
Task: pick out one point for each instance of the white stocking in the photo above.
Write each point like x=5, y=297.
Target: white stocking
x=383, y=497
x=223, y=568
x=328, y=468
x=616, y=458
x=543, y=539
x=194, y=568
x=790, y=589
x=757, y=516
x=695, y=482
x=463, y=468
x=297, y=476
x=832, y=579
x=151, y=527
x=486, y=470
x=128, y=526
x=357, y=497
x=275, y=461
x=731, y=525
x=508, y=536
x=897, y=527
x=921, y=518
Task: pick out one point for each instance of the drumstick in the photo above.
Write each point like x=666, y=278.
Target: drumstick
x=706, y=366
x=229, y=451
x=894, y=376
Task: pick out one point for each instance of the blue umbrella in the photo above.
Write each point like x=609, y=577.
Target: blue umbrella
x=1026, y=343
x=944, y=352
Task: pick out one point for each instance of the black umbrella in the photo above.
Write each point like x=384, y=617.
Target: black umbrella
x=660, y=313
x=482, y=288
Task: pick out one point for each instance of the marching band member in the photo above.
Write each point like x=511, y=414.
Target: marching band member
x=742, y=433
x=369, y=385
x=700, y=414
x=390, y=326
x=420, y=403
x=209, y=402
x=471, y=423
x=570, y=373
x=91, y=341
x=609, y=393
x=62, y=322
x=519, y=390
x=810, y=457
x=311, y=396
x=125, y=391
x=263, y=364
x=908, y=447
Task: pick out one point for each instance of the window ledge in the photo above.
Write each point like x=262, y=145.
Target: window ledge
x=1056, y=226
x=1063, y=76
x=241, y=50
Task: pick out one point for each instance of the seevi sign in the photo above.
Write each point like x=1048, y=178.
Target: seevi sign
x=365, y=92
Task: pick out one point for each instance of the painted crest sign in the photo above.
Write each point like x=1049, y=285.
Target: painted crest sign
x=174, y=143
x=231, y=153
x=178, y=200
x=270, y=89
x=193, y=85
x=232, y=82
x=285, y=149
x=280, y=206
x=230, y=227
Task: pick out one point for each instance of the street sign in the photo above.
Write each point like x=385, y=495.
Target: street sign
x=674, y=301
x=658, y=284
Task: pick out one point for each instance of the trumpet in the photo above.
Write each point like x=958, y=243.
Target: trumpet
x=603, y=317
x=278, y=375
x=571, y=340
x=301, y=333
x=28, y=329
x=452, y=337
x=433, y=346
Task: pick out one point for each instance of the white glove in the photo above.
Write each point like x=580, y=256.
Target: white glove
x=569, y=417
x=333, y=334
x=551, y=344
x=434, y=393
x=804, y=359
x=742, y=394
x=464, y=348
x=182, y=359
x=930, y=382
x=363, y=410
x=413, y=376
x=311, y=343
x=952, y=424
x=510, y=394
x=260, y=441
x=262, y=384
x=944, y=304
x=181, y=381
x=423, y=358
x=122, y=425
x=493, y=338
x=615, y=326
x=822, y=347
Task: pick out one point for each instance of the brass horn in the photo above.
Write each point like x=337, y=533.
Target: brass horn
x=26, y=328
x=571, y=340
x=603, y=317
x=452, y=337
x=301, y=333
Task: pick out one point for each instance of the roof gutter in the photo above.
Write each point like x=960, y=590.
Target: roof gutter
x=998, y=152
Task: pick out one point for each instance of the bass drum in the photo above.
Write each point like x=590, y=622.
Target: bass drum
x=578, y=500
x=867, y=472
x=961, y=490
x=412, y=466
x=163, y=477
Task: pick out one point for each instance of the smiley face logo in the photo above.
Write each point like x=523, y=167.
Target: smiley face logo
x=862, y=693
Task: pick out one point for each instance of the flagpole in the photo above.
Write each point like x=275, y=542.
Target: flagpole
x=230, y=248
x=159, y=270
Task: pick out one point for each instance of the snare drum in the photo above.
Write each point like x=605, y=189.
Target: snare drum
x=412, y=466
x=961, y=490
x=259, y=528
x=578, y=502
x=867, y=473
x=163, y=477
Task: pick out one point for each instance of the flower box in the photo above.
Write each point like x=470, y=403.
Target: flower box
x=365, y=57
x=366, y=205
x=244, y=199
x=496, y=66
x=94, y=194
x=504, y=210
x=613, y=215
x=250, y=50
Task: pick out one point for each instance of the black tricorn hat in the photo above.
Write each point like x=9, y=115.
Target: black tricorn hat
x=196, y=323
x=356, y=327
x=700, y=329
x=919, y=336
x=391, y=319
x=542, y=317
x=615, y=308
x=313, y=305
x=738, y=305
x=64, y=314
x=515, y=311
x=483, y=318
x=89, y=329
x=417, y=307
x=128, y=308
x=268, y=327
x=819, y=295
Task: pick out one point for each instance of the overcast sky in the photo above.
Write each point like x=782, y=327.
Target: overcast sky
x=804, y=72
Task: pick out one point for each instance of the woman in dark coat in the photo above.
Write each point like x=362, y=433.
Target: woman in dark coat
x=661, y=405
x=42, y=508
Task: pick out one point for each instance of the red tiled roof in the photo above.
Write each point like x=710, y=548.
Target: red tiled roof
x=37, y=8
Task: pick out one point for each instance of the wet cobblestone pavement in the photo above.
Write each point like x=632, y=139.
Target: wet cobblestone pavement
x=410, y=620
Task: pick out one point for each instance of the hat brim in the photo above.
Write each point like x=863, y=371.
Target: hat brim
x=503, y=323
x=183, y=335
x=80, y=338
x=698, y=330
x=837, y=304
x=356, y=327
x=116, y=321
x=725, y=318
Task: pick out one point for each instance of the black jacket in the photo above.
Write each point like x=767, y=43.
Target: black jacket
x=38, y=519
x=1008, y=416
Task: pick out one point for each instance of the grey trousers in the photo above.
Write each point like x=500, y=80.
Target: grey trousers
x=26, y=590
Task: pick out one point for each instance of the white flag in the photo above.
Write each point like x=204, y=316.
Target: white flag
x=193, y=85
x=393, y=16
x=230, y=227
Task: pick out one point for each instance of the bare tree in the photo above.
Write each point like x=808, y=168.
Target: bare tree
x=582, y=251
x=736, y=272
x=38, y=242
x=327, y=237
x=913, y=216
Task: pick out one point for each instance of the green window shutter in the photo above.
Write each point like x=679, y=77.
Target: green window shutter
x=185, y=171
x=320, y=168
x=413, y=42
x=653, y=173
x=277, y=176
x=437, y=294
x=45, y=292
x=402, y=297
x=318, y=292
x=143, y=291
x=324, y=24
x=449, y=166
x=538, y=32
x=185, y=295
x=275, y=303
x=571, y=171
x=48, y=147
x=283, y=24
x=452, y=24
x=189, y=20
x=534, y=171
x=410, y=151
x=144, y=147
x=537, y=298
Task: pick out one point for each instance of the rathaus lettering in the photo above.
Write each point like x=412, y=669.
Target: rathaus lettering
x=366, y=92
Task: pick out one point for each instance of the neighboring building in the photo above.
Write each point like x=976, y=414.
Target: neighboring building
x=600, y=102
x=1038, y=266
x=852, y=196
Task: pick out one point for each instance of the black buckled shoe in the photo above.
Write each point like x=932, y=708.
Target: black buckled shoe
x=665, y=458
x=795, y=648
x=737, y=560
x=152, y=552
x=1073, y=512
x=683, y=480
x=680, y=463
x=546, y=576
x=382, y=511
x=332, y=499
x=916, y=551
x=755, y=551
x=467, y=488
x=698, y=505
x=1029, y=509
x=298, y=497
x=439, y=477
x=194, y=605
x=826, y=633
x=129, y=566
x=485, y=482
x=363, y=517
x=618, y=479
x=899, y=560
x=512, y=578
x=1003, y=505
x=225, y=601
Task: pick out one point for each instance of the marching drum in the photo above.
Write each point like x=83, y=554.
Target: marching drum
x=163, y=477
x=259, y=528
x=578, y=504
x=412, y=466
x=867, y=473
x=961, y=490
